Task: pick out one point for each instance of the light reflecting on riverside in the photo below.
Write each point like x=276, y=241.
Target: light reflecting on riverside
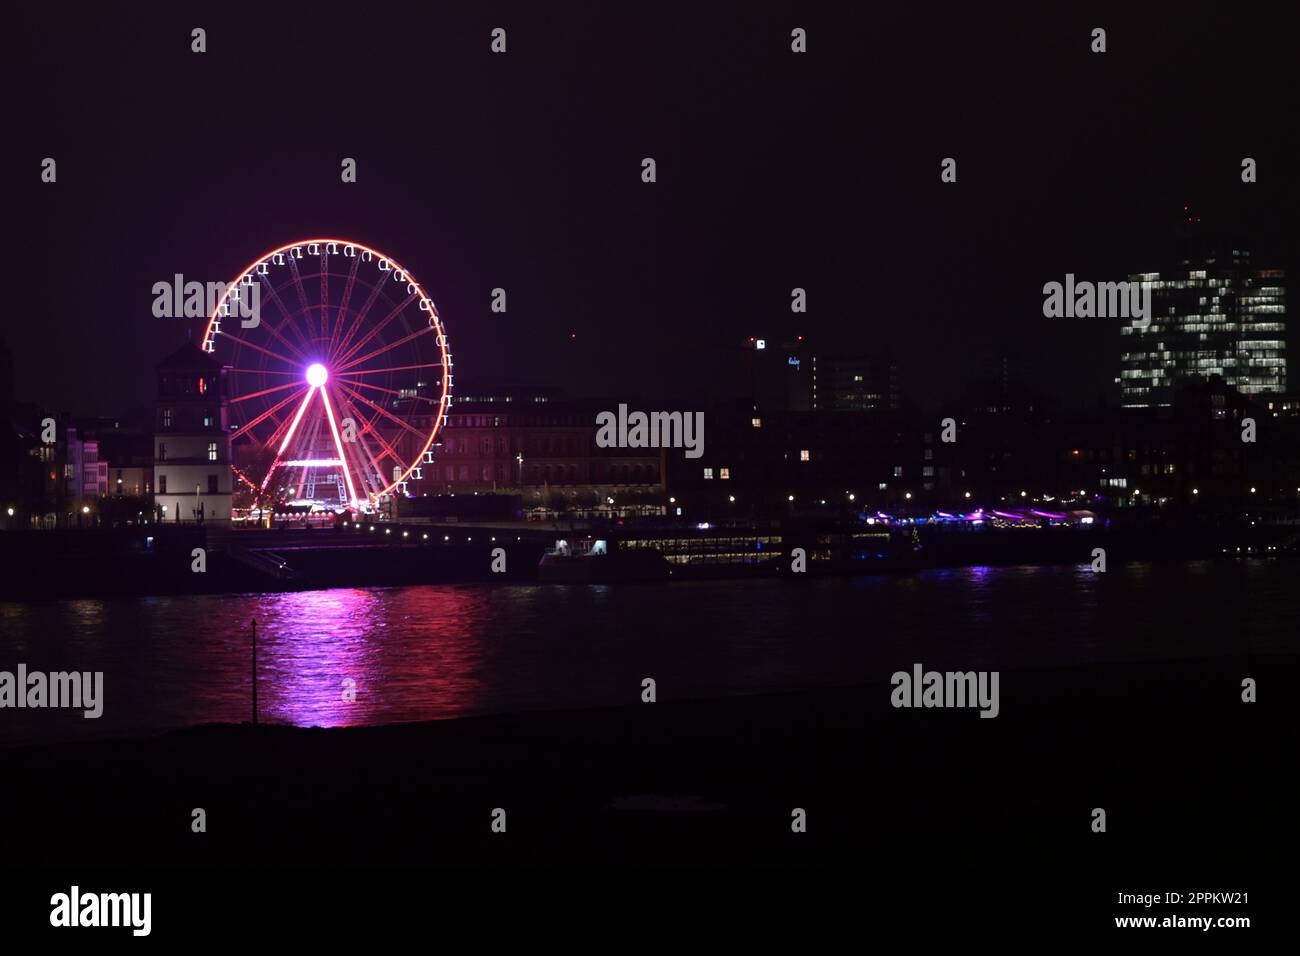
x=424, y=653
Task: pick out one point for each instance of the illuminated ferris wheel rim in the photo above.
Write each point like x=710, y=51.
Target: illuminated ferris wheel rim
x=259, y=267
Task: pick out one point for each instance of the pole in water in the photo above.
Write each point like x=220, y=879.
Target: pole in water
x=254, y=672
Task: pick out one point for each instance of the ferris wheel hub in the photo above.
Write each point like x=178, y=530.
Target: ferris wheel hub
x=316, y=374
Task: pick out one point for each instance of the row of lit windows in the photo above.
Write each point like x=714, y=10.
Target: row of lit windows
x=701, y=545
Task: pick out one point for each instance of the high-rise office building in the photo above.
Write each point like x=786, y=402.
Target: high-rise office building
x=778, y=374
x=1215, y=313
x=854, y=383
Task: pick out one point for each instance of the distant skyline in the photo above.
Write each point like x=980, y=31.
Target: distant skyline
x=522, y=171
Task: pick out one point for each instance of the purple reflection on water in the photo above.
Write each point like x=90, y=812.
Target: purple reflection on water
x=424, y=653
x=407, y=657
x=309, y=644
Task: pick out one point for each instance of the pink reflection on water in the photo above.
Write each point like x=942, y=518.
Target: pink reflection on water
x=310, y=643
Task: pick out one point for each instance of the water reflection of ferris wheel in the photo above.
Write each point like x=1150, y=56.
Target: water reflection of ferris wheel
x=338, y=382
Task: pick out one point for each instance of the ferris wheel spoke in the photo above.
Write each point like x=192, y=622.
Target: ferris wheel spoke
x=374, y=433
x=265, y=351
x=272, y=295
x=398, y=368
x=387, y=348
x=359, y=319
x=288, y=318
x=302, y=292
x=383, y=411
x=369, y=336
x=266, y=371
x=343, y=306
x=276, y=432
x=324, y=292
x=372, y=488
x=269, y=413
x=265, y=391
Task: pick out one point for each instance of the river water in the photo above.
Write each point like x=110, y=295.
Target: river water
x=421, y=653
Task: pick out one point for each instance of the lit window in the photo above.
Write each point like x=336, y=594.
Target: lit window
x=724, y=473
x=803, y=455
x=756, y=422
x=167, y=418
x=898, y=471
x=708, y=474
x=212, y=451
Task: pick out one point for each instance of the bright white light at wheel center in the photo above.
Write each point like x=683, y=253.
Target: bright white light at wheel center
x=316, y=375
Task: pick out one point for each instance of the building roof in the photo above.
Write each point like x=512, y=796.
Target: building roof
x=189, y=356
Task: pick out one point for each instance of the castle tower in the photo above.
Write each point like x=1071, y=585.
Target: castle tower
x=192, y=473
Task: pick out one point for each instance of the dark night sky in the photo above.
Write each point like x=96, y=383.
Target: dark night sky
x=523, y=171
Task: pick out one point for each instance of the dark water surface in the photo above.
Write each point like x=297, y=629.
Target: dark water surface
x=421, y=653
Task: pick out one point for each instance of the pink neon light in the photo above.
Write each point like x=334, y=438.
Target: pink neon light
x=288, y=435
x=296, y=419
x=334, y=430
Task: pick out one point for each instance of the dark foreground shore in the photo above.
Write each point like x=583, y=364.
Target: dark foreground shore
x=1199, y=788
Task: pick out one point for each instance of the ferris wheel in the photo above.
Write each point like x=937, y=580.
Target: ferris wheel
x=338, y=375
